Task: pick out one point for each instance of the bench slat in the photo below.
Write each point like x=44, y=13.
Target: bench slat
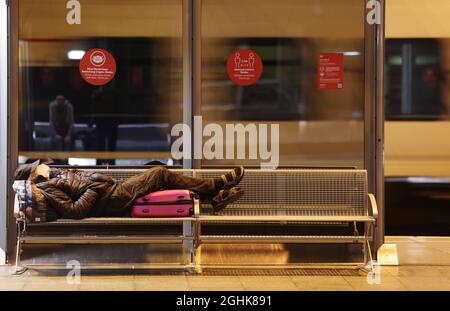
x=253, y=219
x=96, y=239
x=111, y=221
x=281, y=239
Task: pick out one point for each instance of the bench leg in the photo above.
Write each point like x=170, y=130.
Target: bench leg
x=368, y=259
x=355, y=229
x=197, y=249
x=17, y=269
x=188, y=242
x=197, y=240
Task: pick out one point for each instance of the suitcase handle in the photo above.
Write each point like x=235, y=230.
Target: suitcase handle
x=145, y=199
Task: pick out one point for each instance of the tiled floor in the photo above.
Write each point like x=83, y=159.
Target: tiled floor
x=424, y=265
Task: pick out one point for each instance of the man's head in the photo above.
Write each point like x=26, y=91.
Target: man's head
x=60, y=98
x=40, y=173
x=36, y=172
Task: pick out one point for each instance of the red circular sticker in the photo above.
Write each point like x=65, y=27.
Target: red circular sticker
x=98, y=67
x=244, y=67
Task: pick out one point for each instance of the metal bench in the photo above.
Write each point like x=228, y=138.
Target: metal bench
x=107, y=230
x=308, y=197
x=289, y=197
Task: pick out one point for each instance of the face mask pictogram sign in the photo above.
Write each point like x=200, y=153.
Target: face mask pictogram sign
x=244, y=67
x=98, y=67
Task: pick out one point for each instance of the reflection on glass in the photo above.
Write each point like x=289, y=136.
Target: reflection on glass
x=417, y=79
x=317, y=128
x=126, y=121
x=61, y=121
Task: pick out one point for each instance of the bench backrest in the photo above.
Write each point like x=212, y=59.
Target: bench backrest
x=313, y=191
x=309, y=191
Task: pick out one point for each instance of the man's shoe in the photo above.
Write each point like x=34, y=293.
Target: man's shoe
x=225, y=197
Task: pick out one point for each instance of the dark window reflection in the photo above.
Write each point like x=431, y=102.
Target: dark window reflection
x=134, y=112
x=417, y=79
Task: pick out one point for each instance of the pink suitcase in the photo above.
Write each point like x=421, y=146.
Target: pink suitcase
x=166, y=203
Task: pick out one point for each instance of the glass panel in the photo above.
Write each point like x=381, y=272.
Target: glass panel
x=417, y=96
x=126, y=121
x=316, y=127
x=417, y=79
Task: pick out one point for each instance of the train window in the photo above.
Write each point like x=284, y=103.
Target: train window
x=416, y=79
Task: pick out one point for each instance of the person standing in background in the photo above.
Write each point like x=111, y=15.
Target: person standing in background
x=61, y=122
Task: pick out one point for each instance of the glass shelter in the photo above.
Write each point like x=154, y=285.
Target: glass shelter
x=311, y=70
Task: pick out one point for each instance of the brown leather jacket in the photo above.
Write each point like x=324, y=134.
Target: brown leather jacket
x=68, y=193
x=76, y=195
x=79, y=194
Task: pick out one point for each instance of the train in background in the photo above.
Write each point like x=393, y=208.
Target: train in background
x=417, y=136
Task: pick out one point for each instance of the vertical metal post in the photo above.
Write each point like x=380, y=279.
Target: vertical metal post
x=197, y=71
x=369, y=106
x=187, y=38
x=380, y=45
x=192, y=72
x=374, y=117
x=13, y=118
x=3, y=129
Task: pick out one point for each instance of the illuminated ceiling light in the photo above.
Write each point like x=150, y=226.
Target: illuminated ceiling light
x=75, y=54
x=352, y=53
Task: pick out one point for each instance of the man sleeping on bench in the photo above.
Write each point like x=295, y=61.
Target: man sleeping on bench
x=53, y=193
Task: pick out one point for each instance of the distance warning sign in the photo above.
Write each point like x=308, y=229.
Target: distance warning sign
x=244, y=67
x=98, y=67
x=330, y=68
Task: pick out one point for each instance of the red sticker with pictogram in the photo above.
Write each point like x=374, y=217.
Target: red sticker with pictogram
x=244, y=67
x=330, y=67
x=98, y=67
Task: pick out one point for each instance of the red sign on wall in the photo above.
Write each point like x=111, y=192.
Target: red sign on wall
x=244, y=67
x=98, y=67
x=330, y=67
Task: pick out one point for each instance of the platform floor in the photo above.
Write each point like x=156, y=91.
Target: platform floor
x=424, y=265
